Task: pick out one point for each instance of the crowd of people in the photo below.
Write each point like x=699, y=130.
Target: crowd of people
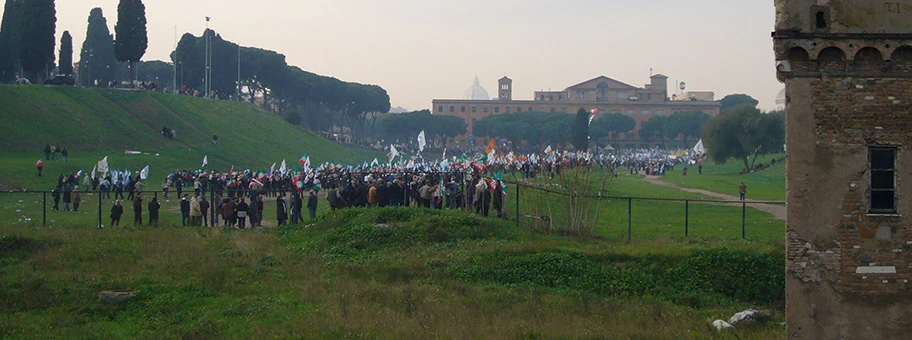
x=237, y=198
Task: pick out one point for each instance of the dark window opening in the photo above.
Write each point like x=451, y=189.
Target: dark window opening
x=821, y=22
x=883, y=179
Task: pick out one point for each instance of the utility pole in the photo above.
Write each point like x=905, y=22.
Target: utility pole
x=207, y=75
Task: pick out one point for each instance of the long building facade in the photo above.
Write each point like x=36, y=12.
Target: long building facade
x=603, y=93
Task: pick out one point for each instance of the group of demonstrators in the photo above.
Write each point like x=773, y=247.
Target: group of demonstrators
x=237, y=198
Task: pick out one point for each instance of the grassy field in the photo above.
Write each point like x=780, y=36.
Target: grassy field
x=367, y=273
x=429, y=274
x=766, y=184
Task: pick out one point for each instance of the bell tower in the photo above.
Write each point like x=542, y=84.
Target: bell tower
x=505, y=89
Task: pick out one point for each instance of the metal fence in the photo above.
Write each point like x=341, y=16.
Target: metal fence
x=529, y=206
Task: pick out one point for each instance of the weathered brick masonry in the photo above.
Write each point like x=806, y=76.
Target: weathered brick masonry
x=847, y=66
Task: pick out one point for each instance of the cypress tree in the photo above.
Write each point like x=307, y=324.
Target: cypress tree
x=9, y=40
x=581, y=130
x=96, y=59
x=36, y=42
x=131, y=39
x=65, y=58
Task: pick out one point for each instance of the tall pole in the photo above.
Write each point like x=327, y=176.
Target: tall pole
x=174, y=62
x=238, y=98
x=206, y=71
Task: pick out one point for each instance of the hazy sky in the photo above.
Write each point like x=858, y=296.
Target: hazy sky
x=419, y=50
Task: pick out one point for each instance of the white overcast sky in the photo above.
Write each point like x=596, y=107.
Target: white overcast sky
x=419, y=50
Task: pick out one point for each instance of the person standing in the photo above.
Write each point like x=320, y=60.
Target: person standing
x=242, y=209
x=154, y=206
x=196, y=213
x=86, y=181
x=204, y=209
x=185, y=210
x=281, y=210
x=312, y=204
x=742, y=190
x=116, y=212
x=260, y=206
x=252, y=210
x=67, y=197
x=296, y=204
x=65, y=154
x=56, y=195
x=77, y=198
x=166, y=185
x=47, y=152
x=40, y=166
x=137, y=209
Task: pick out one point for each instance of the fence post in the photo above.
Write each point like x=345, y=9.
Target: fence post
x=629, y=218
x=517, y=205
x=743, y=220
x=44, y=207
x=99, y=211
x=686, y=218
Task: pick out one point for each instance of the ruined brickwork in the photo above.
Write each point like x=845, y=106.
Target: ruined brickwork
x=847, y=66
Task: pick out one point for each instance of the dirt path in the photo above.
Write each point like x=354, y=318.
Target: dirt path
x=778, y=210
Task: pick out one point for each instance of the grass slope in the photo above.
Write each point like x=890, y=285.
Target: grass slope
x=766, y=184
x=93, y=123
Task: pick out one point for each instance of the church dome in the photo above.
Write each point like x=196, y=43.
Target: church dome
x=780, y=100
x=476, y=92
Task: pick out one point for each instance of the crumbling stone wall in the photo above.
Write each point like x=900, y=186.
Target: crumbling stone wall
x=847, y=66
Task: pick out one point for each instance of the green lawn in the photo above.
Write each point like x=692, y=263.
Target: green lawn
x=766, y=184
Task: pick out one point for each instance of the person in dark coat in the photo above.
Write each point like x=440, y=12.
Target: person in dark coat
x=137, y=209
x=204, y=208
x=47, y=152
x=312, y=204
x=252, y=210
x=154, y=206
x=56, y=195
x=228, y=208
x=260, y=206
x=242, y=209
x=116, y=212
x=185, y=210
x=498, y=199
x=67, y=197
x=296, y=205
x=281, y=210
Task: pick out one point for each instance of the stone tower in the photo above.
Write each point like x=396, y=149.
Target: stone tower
x=847, y=67
x=505, y=89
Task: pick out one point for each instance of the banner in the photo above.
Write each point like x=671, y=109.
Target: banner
x=421, y=141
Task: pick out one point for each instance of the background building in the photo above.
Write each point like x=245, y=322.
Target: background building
x=602, y=93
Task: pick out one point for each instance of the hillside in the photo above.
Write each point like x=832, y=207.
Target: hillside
x=93, y=123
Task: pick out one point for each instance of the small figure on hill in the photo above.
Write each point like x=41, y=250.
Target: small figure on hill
x=65, y=154
x=56, y=194
x=116, y=212
x=700, y=169
x=185, y=210
x=312, y=202
x=241, y=209
x=281, y=210
x=77, y=198
x=742, y=190
x=204, y=209
x=40, y=166
x=47, y=152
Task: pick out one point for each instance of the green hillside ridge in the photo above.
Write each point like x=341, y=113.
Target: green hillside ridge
x=94, y=123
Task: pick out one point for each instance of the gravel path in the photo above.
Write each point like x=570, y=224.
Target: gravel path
x=778, y=210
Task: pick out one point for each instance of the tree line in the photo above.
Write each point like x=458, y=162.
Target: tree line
x=27, y=40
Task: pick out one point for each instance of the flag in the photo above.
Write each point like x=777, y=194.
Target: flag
x=79, y=173
x=144, y=173
x=103, y=165
x=594, y=112
x=491, y=146
x=375, y=163
x=272, y=168
x=548, y=150
x=699, y=147
x=283, y=167
x=393, y=153
x=205, y=161
x=422, y=142
x=444, y=153
x=93, y=171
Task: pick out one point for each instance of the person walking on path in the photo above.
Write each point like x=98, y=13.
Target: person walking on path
x=742, y=190
x=40, y=166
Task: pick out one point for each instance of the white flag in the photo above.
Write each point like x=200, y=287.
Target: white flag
x=699, y=147
x=375, y=163
x=421, y=141
x=548, y=150
x=144, y=173
x=103, y=165
x=283, y=168
x=444, y=153
x=205, y=161
x=93, y=171
x=272, y=168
